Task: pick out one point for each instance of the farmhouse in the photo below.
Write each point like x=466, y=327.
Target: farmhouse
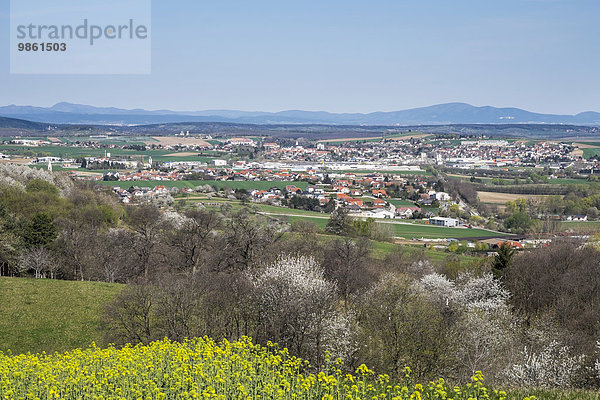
x=407, y=212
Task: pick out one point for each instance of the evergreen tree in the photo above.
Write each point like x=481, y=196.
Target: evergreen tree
x=40, y=231
x=503, y=259
x=340, y=223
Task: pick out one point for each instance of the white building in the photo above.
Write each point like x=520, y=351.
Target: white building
x=441, y=196
x=219, y=163
x=378, y=213
x=241, y=142
x=441, y=221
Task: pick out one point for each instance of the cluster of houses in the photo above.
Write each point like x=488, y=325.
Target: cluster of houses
x=368, y=155
x=143, y=194
x=501, y=153
x=365, y=197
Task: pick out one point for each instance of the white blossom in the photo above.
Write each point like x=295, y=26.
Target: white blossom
x=554, y=366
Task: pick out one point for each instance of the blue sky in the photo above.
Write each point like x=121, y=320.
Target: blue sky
x=345, y=56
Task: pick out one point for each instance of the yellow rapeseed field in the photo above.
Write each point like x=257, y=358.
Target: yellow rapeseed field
x=202, y=368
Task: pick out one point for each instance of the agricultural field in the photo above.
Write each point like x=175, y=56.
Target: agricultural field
x=320, y=222
x=407, y=229
x=502, y=198
x=401, y=203
x=77, y=152
x=417, y=231
x=568, y=181
x=586, y=149
x=248, y=185
x=580, y=226
x=398, y=136
x=382, y=249
x=554, y=181
x=591, y=152
x=51, y=315
x=174, y=140
x=203, y=368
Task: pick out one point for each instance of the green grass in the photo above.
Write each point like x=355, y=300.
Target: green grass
x=51, y=315
x=417, y=231
x=510, y=181
x=248, y=185
x=320, y=222
x=377, y=138
x=401, y=203
x=553, y=394
x=402, y=229
x=382, y=249
x=439, y=232
x=580, y=226
x=568, y=181
x=587, y=153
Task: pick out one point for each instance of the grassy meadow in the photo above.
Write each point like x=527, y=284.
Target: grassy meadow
x=51, y=315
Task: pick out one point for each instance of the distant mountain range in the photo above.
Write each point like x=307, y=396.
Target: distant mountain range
x=441, y=114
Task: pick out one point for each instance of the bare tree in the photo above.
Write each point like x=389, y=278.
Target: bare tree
x=177, y=307
x=245, y=239
x=40, y=261
x=130, y=317
x=146, y=223
x=346, y=262
x=194, y=238
x=113, y=255
x=73, y=245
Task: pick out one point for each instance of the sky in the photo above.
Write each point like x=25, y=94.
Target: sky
x=345, y=56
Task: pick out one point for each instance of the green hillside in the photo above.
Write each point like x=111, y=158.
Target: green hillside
x=50, y=315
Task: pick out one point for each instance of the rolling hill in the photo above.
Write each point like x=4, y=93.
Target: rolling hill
x=449, y=113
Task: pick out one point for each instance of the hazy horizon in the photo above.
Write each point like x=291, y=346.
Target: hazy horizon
x=276, y=111
x=346, y=57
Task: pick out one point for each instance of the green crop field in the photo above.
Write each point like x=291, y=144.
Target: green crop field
x=382, y=249
x=51, y=315
x=510, y=181
x=439, y=232
x=417, y=231
x=320, y=222
x=248, y=185
x=553, y=394
x=587, y=153
x=568, y=181
x=401, y=203
x=580, y=226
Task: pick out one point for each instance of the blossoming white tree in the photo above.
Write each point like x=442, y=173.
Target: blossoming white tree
x=297, y=306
